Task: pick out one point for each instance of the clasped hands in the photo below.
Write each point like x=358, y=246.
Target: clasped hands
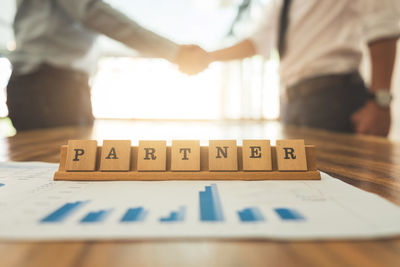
x=192, y=59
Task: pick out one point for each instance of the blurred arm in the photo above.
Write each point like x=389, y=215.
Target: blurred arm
x=102, y=18
x=372, y=119
x=262, y=41
x=241, y=50
x=383, y=55
x=381, y=30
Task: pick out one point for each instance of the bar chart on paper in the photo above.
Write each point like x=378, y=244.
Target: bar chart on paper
x=37, y=208
x=134, y=215
x=61, y=213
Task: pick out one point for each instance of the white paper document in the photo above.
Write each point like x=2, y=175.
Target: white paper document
x=34, y=207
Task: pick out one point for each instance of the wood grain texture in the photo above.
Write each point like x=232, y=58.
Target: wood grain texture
x=185, y=155
x=152, y=156
x=256, y=155
x=291, y=155
x=81, y=155
x=370, y=163
x=115, y=155
x=222, y=155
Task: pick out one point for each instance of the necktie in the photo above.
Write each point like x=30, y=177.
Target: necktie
x=283, y=25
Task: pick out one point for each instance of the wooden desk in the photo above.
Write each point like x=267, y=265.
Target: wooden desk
x=372, y=164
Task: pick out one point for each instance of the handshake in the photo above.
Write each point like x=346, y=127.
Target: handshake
x=192, y=59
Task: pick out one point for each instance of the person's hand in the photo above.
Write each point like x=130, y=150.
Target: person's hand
x=372, y=119
x=192, y=59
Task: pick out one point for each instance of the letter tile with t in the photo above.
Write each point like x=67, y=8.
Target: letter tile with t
x=185, y=155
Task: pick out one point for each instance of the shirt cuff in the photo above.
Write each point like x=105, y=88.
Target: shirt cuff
x=262, y=44
x=386, y=26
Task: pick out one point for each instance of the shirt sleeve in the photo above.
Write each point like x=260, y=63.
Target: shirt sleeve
x=381, y=19
x=264, y=37
x=101, y=17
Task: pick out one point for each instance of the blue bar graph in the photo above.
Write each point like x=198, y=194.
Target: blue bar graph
x=289, y=214
x=210, y=205
x=95, y=216
x=134, y=215
x=1, y=184
x=251, y=214
x=63, y=212
x=175, y=216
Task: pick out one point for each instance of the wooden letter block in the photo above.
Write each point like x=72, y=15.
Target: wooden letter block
x=115, y=155
x=256, y=155
x=81, y=155
x=291, y=155
x=185, y=155
x=222, y=155
x=152, y=156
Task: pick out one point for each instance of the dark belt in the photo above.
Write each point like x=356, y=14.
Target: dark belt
x=318, y=84
x=78, y=76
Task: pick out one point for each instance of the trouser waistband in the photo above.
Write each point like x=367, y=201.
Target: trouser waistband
x=318, y=84
x=50, y=70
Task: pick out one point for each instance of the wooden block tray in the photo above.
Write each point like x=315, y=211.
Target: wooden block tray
x=204, y=174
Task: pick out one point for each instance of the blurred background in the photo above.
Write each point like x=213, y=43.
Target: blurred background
x=125, y=83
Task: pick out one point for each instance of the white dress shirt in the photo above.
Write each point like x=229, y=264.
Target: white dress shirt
x=63, y=32
x=326, y=36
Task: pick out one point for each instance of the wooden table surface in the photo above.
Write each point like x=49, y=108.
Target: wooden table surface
x=370, y=163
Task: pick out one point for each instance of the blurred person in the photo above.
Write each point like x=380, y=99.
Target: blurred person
x=54, y=57
x=320, y=46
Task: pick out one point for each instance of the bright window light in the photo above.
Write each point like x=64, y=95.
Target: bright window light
x=139, y=88
x=154, y=89
x=5, y=73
